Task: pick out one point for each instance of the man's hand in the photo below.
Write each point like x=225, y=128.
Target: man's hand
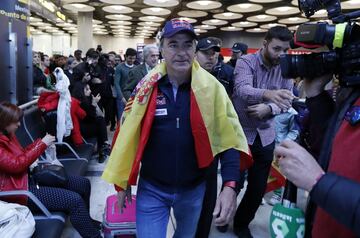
x=225, y=207
x=298, y=165
x=259, y=111
x=96, y=99
x=282, y=97
x=121, y=196
x=314, y=87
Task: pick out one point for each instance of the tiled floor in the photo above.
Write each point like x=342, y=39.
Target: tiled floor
x=101, y=189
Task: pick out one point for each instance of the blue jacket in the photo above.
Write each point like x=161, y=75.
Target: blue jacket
x=169, y=159
x=225, y=74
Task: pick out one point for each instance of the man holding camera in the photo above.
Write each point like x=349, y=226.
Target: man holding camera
x=88, y=71
x=334, y=208
x=260, y=93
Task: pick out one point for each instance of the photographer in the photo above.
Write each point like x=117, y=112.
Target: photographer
x=88, y=71
x=334, y=179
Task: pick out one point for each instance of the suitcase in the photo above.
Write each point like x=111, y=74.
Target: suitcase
x=116, y=224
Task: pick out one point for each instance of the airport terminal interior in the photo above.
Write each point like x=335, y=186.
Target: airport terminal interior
x=100, y=46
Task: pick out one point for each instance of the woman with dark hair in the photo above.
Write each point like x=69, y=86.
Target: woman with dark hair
x=15, y=161
x=93, y=125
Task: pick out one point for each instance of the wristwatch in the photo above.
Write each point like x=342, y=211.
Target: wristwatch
x=233, y=185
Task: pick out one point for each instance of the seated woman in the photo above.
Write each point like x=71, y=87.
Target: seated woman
x=15, y=160
x=93, y=125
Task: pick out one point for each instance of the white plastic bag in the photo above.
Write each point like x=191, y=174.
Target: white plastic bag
x=50, y=154
x=15, y=221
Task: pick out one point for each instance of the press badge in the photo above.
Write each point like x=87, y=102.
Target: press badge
x=161, y=112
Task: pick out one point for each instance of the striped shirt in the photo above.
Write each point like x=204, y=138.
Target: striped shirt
x=252, y=78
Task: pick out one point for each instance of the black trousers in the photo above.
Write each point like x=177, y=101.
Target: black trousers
x=257, y=182
x=96, y=128
x=110, y=114
x=206, y=215
x=209, y=202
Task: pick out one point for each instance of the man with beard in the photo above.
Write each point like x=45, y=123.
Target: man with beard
x=260, y=93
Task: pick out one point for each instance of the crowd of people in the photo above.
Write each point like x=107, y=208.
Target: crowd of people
x=183, y=112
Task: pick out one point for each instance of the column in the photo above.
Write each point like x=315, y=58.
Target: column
x=85, y=31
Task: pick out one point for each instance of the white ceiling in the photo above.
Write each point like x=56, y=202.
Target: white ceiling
x=207, y=16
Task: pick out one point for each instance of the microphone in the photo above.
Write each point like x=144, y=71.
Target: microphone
x=286, y=220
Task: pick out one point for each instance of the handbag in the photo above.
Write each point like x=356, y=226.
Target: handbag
x=15, y=221
x=51, y=175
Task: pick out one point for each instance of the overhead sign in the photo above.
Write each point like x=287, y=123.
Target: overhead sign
x=15, y=9
x=60, y=15
x=44, y=8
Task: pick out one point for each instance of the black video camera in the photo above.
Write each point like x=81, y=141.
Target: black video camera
x=342, y=40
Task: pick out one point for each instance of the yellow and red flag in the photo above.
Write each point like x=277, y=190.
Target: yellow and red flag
x=214, y=122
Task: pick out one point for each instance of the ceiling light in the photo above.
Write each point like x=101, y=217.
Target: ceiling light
x=245, y=24
x=228, y=14
x=192, y=13
x=161, y=3
x=203, y=3
x=156, y=9
x=215, y=22
x=283, y=9
x=230, y=28
x=80, y=6
x=190, y=20
x=256, y=30
x=294, y=18
x=117, y=7
x=261, y=16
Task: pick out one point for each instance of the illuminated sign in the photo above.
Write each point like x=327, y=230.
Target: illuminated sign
x=48, y=5
x=61, y=16
x=15, y=9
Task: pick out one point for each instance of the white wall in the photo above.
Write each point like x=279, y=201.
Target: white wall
x=119, y=45
x=50, y=44
x=66, y=44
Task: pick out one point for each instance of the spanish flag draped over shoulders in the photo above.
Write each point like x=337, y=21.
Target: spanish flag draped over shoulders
x=214, y=123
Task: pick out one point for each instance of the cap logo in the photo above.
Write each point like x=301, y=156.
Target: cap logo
x=176, y=23
x=208, y=41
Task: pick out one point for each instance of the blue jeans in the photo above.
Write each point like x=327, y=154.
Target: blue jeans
x=120, y=107
x=153, y=210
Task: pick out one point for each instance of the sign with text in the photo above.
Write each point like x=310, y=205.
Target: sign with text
x=17, y=9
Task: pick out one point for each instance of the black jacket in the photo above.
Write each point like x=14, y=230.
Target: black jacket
x=225, y=74
x=337, y=195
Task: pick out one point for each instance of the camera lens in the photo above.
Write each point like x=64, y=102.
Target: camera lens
x=308, y=65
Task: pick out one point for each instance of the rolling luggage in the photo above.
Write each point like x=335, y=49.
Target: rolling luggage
x=116, y=224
